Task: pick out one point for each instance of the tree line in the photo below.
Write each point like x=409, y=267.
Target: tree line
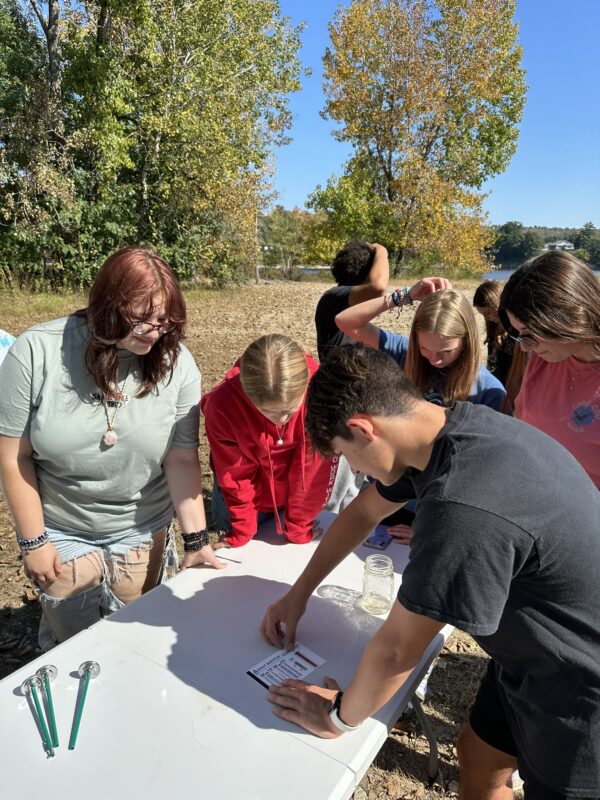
x=287, y=239
x=154, y=122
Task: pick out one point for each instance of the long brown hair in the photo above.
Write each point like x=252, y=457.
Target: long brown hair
x=514, y=379
x=128, y=279
x=556, y=296
x=446, y=313
x=487, y=295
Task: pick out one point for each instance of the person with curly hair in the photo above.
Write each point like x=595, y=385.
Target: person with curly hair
x=361, y=271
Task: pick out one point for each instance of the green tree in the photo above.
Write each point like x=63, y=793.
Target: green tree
x=514, y=245
x=168, y=114
x=283, y=236
x=429, y=93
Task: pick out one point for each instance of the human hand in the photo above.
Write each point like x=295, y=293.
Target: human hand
x=287, y=610
x=317, y=530
x=42, y=565
x=379, y=248
x=427, y=286
x=306, y=705
x=402, y=533
x=205, y=555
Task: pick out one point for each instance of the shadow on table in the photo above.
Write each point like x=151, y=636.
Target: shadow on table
x=213, y=637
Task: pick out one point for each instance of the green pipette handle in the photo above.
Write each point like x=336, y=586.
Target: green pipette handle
x=79, y=712
x=51, y=716
x=40, y=713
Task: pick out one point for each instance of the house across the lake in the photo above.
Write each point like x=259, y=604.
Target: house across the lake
x=561, y=245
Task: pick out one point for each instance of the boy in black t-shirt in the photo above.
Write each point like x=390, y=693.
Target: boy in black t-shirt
x=496, y=552
x=361, y=271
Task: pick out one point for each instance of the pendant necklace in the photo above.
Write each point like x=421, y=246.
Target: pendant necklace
x=280, y=430
x=110, y=437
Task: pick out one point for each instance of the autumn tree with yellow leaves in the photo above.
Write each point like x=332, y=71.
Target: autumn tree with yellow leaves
x=429, y=93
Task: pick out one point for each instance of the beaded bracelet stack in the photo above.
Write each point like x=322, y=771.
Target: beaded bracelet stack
x=28, y=545
x=195, y=540
x=399, y=298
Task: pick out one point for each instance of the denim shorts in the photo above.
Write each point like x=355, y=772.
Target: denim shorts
x=71, y=544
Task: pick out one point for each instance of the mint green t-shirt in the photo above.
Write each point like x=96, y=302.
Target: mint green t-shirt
x=47, y=394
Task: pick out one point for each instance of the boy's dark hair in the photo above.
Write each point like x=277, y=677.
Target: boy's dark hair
x=353, y=263
x=352, y=380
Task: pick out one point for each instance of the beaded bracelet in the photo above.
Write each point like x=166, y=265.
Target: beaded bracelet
x=195, y=540
x=27, y=545
x=399, y=298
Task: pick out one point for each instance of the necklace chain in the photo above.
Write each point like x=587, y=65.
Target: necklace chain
x=280, y=431
x=110, y=437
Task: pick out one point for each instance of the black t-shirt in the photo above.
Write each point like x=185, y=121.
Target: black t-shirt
x=499, y=360
x=333, y=302
x=506, y=547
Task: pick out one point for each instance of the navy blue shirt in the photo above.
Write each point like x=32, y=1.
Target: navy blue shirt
x=487, y=390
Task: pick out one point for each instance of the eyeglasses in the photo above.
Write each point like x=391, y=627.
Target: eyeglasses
x=144, y=328
x=526, y=340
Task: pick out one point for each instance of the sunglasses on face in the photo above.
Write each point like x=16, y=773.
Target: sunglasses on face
x=526, y=340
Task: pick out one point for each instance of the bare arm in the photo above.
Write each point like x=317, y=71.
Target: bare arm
x=20, y=488
x=385, y=665
x=184, y=479
x=355, y=321
x=377, y=279
x=348, y=531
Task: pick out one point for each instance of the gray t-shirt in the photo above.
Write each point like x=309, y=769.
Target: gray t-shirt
x=47, y=394
x=506, y=547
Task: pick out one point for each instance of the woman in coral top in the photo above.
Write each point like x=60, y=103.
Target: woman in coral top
x=551, y=306
x=260, y=455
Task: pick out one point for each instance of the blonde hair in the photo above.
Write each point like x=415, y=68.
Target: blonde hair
x=446, y=313
x=274, y=371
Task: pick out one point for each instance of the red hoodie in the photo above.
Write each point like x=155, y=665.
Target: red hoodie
x=256, y=474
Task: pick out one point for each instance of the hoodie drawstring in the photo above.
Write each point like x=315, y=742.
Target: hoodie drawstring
x=272, y=487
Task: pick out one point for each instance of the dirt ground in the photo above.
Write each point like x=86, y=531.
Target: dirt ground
x=220, y=326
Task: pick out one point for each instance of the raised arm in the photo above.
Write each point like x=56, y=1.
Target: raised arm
x=355, y=321
x=376, y=281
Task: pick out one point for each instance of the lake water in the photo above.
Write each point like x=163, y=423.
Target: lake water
x=498, y=275
x=504, y=274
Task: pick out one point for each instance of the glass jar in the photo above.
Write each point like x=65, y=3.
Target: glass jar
x=378, y=584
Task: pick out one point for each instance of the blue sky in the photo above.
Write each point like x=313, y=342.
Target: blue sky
x=553, y=178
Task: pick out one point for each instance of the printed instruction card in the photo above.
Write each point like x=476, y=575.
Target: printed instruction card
x=296, y=663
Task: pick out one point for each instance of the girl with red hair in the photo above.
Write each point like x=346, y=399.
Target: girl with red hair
x=99, y=445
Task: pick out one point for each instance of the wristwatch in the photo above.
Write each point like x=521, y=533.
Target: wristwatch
x=334, y=715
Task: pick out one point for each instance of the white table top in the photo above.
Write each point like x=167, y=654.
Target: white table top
x=173, y=708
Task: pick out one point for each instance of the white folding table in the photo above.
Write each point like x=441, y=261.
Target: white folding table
x=173, y=710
